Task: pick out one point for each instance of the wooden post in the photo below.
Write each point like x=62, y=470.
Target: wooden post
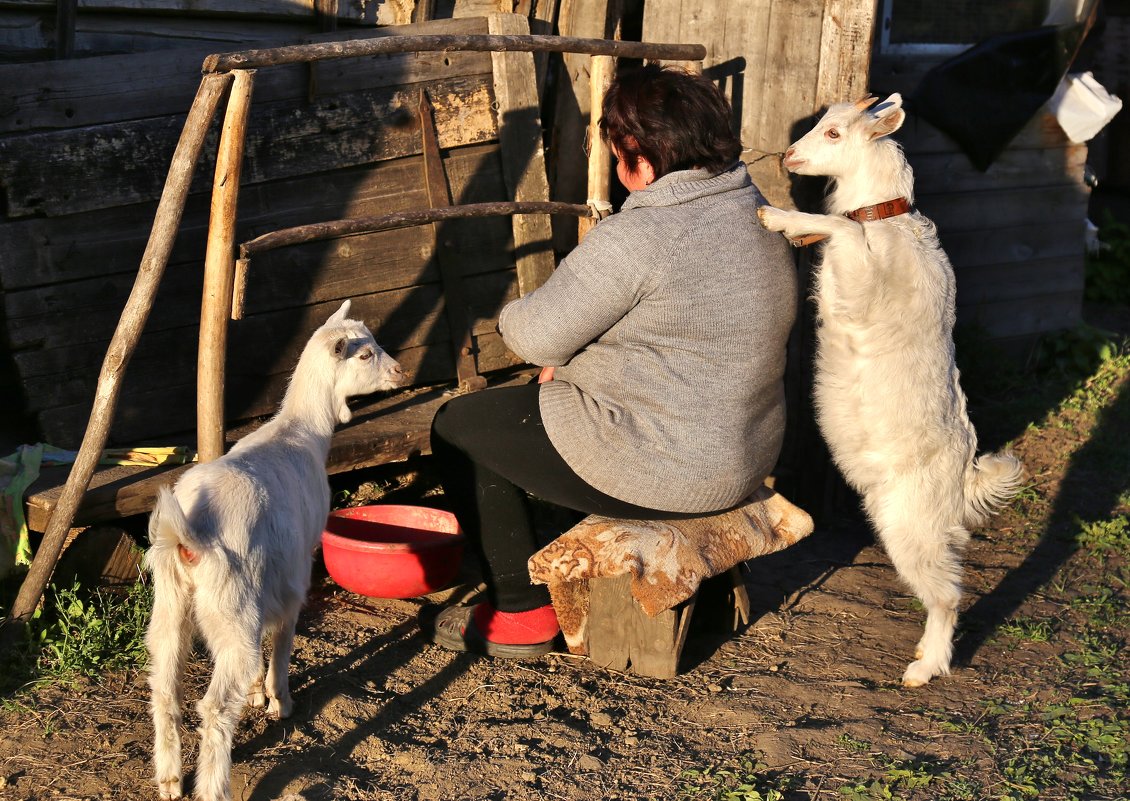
x=523, y=157
x=130, y=324
x=219, y=273
x=600, y=157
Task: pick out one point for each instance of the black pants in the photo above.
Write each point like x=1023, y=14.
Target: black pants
x=491, y=449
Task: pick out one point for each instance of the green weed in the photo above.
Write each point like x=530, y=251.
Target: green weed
x=86, y=633
x=1104, y=538
x=749, y=780
x=1028, y=629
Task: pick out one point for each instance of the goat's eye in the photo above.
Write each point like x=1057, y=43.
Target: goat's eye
x=365, y=355
x=832, y=133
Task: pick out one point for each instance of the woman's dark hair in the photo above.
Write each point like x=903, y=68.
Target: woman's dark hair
x=674, y=119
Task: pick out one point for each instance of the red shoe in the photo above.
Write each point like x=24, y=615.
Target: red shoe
x=456, y=630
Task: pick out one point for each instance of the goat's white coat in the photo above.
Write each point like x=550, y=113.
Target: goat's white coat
x=887, y=393
x=251, y=521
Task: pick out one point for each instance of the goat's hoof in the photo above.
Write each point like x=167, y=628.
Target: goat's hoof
x=280, y=708
x=916, y=674
x=771, y=218
x=256, y=699
x=169, y=789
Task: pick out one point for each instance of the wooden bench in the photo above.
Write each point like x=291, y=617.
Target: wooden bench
x=625, y=591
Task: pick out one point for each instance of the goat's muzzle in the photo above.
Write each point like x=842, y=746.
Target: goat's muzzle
x=790, y=160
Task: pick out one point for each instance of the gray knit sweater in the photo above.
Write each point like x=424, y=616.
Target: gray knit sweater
x=668, y=326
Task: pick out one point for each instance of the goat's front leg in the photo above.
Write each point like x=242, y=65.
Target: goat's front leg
x=168, y=640
x=796, y=224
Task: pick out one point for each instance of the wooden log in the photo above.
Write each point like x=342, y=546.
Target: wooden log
x=601, y=69
x=523, y=157
x=297, y=54
x=219, y=272
x=121, y=348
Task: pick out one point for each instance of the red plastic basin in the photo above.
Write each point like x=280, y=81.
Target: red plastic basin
x=390, y=551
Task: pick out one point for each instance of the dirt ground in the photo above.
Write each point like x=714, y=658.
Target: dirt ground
x=803, y=703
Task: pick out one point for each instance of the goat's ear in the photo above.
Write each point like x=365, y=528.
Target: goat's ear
x=341, y=346
x=339, y=315
x=888, y=115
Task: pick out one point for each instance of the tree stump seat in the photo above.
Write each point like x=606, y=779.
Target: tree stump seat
x=625, y=590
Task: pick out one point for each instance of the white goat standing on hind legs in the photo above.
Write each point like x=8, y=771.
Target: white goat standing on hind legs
x=887, y=393
x=231, y=551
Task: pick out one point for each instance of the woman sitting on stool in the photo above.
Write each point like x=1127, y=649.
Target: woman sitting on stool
x=663, y=338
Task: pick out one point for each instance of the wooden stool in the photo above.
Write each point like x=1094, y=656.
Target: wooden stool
x=620, y=635
x=625, y=590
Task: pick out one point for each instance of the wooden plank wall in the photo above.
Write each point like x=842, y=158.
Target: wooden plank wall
x=27, y=27
x=778, y=61
x=1015, y=233
x=83, y=155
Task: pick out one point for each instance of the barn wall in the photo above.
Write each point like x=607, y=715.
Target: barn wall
x=1015, y=233
x=84, y=151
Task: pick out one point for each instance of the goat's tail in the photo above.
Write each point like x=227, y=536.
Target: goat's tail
x=170, y=535
x=991, y=481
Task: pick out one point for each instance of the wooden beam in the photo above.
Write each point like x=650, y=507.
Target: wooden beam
x=300, y=54
x=333, y=229
x=130, y=325
x=219, y=272
x=65, y=13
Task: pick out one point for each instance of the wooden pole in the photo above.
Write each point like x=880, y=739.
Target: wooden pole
x=130, y=324
x=321, y=51
x=333, y=229
x=219, y=273
x=600, y=157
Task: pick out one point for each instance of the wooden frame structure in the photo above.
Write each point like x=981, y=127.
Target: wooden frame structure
x=231, y=75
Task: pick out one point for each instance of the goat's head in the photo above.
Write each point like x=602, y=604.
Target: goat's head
x=358, y=363
x=845, y=137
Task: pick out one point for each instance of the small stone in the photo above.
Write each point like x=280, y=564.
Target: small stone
x=715, y=688
x=631, y=741
x=601, y=719
x=529, y=776
x=774, y=668
x=590, y=763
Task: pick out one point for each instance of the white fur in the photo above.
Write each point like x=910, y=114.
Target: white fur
x=250, y=521
x=888, y=398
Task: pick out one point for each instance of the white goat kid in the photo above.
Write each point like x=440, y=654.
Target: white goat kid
x=231, y=551
x=887, y=393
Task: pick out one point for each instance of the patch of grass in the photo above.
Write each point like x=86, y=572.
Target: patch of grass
x=80, y=633
x=747, y=779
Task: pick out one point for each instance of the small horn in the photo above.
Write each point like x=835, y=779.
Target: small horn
x=866, y=102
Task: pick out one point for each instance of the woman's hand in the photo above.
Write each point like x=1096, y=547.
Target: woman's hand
x=546, y=374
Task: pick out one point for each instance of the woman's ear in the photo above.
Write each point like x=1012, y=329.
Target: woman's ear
x=645, y=170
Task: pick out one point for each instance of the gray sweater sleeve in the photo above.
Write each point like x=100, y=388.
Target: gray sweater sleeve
x=588, y=293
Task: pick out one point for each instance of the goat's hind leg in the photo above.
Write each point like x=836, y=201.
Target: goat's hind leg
x=238, y=660
x=929, y=562
x=168, y=639
x=280, y=704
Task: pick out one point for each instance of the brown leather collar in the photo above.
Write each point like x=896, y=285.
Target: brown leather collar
x=878, y=211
